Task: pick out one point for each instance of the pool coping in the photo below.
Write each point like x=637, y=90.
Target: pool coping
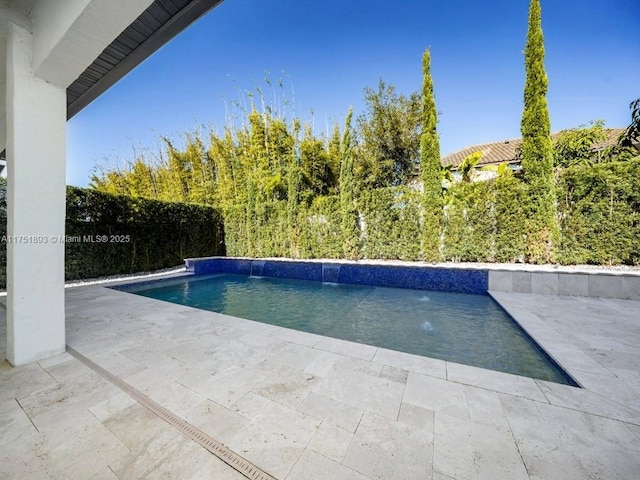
x=538, y=333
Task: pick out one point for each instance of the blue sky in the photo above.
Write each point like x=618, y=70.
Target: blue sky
x=330, y=50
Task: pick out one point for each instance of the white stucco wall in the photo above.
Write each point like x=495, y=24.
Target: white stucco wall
x=36, y=149
x=45, y=45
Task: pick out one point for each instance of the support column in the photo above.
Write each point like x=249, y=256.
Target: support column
x=36, y=162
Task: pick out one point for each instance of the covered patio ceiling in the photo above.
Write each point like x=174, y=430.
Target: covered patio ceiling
x=158, y=24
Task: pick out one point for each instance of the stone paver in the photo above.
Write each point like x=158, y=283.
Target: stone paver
x=384, y=448
x=331, y=441
x=466, y=448
x=313, y=466
x=552, y=439
x=303, y=406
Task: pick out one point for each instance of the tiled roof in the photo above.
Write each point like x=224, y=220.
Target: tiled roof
x=495, y=152
x=613, y=135
x=506, y=150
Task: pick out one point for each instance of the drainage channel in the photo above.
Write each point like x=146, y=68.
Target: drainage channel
x=231, y=458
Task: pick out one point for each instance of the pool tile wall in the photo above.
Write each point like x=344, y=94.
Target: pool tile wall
x=424, y=277
x=419, y=278
x=457, y=280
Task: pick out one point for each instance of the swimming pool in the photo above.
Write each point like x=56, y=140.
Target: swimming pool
x=464, y=328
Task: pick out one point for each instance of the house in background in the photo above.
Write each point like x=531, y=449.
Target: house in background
x=507, y=151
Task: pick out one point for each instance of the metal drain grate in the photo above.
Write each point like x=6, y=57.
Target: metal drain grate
x=231, y=458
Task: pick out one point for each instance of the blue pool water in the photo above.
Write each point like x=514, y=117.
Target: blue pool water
x=464, y=328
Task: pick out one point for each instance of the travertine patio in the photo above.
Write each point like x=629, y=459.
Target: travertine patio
x=301, y=406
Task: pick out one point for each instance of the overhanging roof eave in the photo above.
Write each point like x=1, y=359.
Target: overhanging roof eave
x=188, y=14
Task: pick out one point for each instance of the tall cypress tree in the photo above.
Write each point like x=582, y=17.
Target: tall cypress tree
x=537, y=150
x=293, y=191
x=348, y=212
x=430, y=165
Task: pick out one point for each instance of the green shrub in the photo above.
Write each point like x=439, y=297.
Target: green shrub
x=161, y=234
x=111, y=234
x=392, y=223
x=470, y=222
x=600, y=214
x=271, y=230
x=235, y=231
x=510, y=212
x=321, y=231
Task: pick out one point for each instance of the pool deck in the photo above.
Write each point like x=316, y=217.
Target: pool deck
x=303, y=406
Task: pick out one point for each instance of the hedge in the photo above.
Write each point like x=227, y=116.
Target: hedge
x=160, y=234
x=470, y=223
x=391, y=221
x=598, y=212
x=320, y=234
x=317, y=231
x=511, y=212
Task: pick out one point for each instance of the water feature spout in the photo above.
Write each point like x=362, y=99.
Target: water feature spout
x=256, y=268
x=330, y=273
